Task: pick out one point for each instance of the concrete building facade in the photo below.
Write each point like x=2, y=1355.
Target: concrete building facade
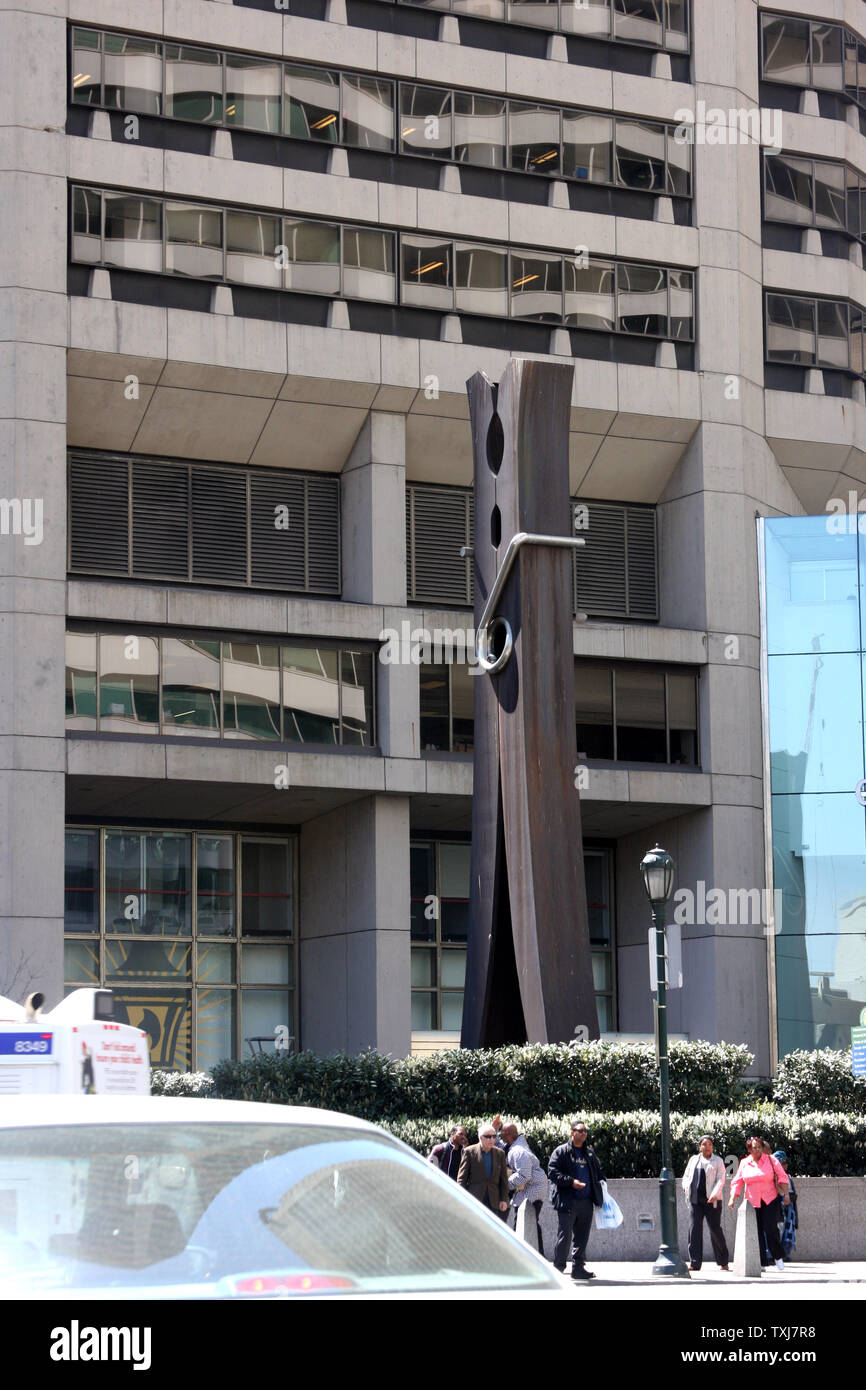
x=253, y=252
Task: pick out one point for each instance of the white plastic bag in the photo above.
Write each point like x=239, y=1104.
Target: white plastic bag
x=609, y=1216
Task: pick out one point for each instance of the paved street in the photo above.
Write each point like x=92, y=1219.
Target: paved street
x=634, y=1280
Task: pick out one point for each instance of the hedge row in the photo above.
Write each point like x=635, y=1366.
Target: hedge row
x=531, y=1080
x=820, y=1080
x=629, y=1144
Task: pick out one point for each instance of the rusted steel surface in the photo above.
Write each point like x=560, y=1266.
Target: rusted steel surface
x=529, y=967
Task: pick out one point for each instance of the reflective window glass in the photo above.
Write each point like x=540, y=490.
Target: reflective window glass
x=591, y=18
x=682, y=305
x=641, y=300
x=312, y=256
x=832, y=334
x=251, y=690
x=852, y=202
x=80, y=680
x=587, y=146
x=790, y=329
x=861, y=72
x=133, y=232
x=536, y=287
x=193, y=83
x=266, y=887
x=86, y=225
x=542, y=14
x=311, y=703
x=683, y=717
x=480, y=129
x=128, y=684
x=368, y=112
x=368, y=264
x=815, y=722
x=811, y=585
x=786, y=49
x=81, y=962
x=827, y=70
x=589, y=294
x=454, y=871
x=81, y=882
x=679, y=175
x=849, y=58
x=422, y=887
x=677, y=25
x=253, y=93
x=593, y=709
x=357, y=698
x=133, y=74
x=601, y=970
x=252, y=239
x=165, y=1015
x=640, y=155
x=215, y=893
x=214, y=1026
x=86, y=68
x=452, y=1002
x=830, y=186
x=265, y=1015
x=194, y=239
x=639, y=21
x=266, y=965
x=312, y=103
x=640, y=715
x=596, y=868
x=435, y=708
x=481, y=279
x=534, y=138
x=426, y=272
x=423, y=1006
x=190, y=687
x=147, y=884
x=855, y=339
x=147, y=960
x=482, y=9
x=788, y=189
x=425, y=121
x=462, y=708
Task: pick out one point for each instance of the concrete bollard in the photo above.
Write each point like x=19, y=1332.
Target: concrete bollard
x=525, y=1226
x=747, y=1251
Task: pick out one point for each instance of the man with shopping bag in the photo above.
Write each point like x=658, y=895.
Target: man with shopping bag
x=575, y=1191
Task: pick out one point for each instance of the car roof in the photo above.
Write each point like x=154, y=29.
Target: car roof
x=48, y=1110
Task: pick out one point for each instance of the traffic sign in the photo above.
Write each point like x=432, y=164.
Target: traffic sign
x=673, y=956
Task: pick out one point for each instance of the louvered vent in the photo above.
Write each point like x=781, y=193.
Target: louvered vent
x=440, y=522
x=219, y=525
x=99, y=515
x=278, y=548
x=615, y=572
x=323, y=535
x=160, y=520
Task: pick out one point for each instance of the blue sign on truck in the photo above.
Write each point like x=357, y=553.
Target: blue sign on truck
x=27, y=1044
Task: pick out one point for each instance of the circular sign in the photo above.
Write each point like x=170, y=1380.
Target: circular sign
x=860, y=791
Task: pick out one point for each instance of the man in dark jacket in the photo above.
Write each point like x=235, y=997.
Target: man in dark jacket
x=484, y=1172
x=576, y=1178
x=449, y=1154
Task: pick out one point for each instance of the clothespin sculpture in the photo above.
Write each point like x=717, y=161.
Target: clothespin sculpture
x=529, y=966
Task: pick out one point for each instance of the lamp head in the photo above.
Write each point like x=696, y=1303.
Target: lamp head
x=657, y=868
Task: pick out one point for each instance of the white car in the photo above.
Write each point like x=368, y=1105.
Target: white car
x=161, y=1197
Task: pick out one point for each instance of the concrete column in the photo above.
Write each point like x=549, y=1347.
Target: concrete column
x=33, y=491
x=374, y=513
x=354, y=966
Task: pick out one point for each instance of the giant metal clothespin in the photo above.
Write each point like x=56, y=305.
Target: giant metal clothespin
x=529, y=967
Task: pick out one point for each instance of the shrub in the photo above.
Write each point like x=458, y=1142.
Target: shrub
x=174, y=1083
x=820, y=1080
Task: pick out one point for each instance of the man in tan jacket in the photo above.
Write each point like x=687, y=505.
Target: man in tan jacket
x=484, y=1172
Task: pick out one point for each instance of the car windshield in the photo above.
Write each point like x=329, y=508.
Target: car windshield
x=238, y=1210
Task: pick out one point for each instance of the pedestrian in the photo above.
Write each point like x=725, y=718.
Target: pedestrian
x=576, y=1178
x=762, y=1177
x=448, y=1155
x=484, y=1172
x=704, y=1189
x=790, y=1215
x=526, y=1180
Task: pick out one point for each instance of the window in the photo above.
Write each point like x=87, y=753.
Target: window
x=194, y=240
x=136, y=683
x=790, y=329
x=593, y=706
x=589, y=295
x=253, y=93
x=830, y=201
x=368, y=264
x=481, y=279
x=587, y=146
x=168, y=940
x=312, y=103
x=425, y=121
x=86, y=67
x=86, y=225
x=480, y=129
x=827, y=70
x=639, y=21
x=640, y=715
x=788, y=189
x=591, y=19
x=832, y=334
x=133, y=74
x=541, y=13
x=536, y=287
x=786, y=48
x=427, y=272
x=312, y=256
x=252, y=239
x=193, y=83
x=368, y=112
x=640, y=155
x=447, y=707
x=534, y=138
x=133, y=232
x=598, y=872
x=641, y=300
x=636, y=712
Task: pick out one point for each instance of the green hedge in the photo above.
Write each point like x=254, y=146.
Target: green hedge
x=629, y=1144
x=820, y=1080
x=532, y=1080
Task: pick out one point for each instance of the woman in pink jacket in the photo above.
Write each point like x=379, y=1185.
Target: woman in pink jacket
x=759, y=1173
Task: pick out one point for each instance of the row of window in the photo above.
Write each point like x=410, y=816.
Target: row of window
x=348, y=108
x=624, y=712
x=656, y=23
x=813, y=53
x=815, y=332
x=155, y=519
x=440, y=887
x=329, y=258
x=815, y=193
x=124, y=682
x=194, y=931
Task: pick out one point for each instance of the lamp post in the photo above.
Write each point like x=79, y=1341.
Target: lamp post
x=657, y=868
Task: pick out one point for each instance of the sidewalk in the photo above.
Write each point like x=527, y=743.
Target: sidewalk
x=634, y=1280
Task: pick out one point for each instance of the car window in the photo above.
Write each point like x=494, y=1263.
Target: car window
x=239, y=1209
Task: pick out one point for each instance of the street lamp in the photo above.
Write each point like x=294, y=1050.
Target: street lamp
x=657, y=868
